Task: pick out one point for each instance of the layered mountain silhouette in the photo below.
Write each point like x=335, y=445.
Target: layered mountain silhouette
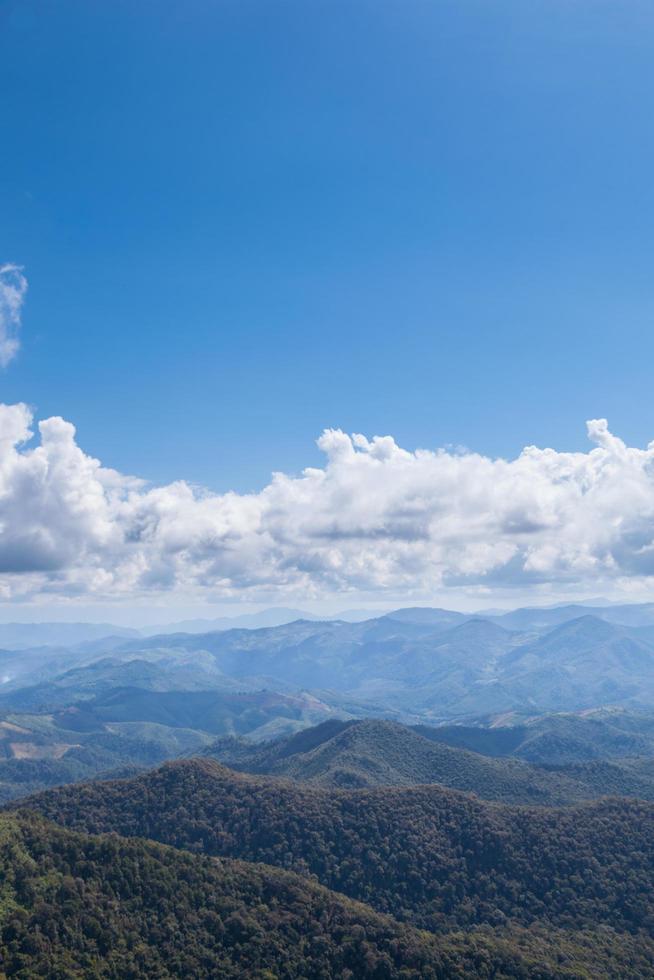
x=418, y=662
x=427, y=663
x=495, y=819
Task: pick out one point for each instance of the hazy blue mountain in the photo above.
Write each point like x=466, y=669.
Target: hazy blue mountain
x=107, y=673
x=541, y=618
x=427, y=616
x=581, y=664
x=267, y=617
x=157, y=674
x=20, y=636
x=421, y=667
x=32, y=666
x=309, y=654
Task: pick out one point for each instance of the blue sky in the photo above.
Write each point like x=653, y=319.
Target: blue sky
x=245, y=221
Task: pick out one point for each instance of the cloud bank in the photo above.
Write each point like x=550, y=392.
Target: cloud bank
x=13, y=287
x=374, y=519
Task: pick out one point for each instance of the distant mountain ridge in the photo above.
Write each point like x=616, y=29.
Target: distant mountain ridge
x=636, y=614
x=21, y=636
x=267, y=617
x=430, y=668
x=414, y=665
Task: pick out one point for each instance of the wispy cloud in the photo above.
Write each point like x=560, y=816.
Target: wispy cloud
x=374, y=519
x=13, y=287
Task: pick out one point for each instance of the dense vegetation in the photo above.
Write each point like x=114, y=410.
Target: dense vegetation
x=382, y=753
x=73, y=905
x=334, y=846
x=438, y=858
x=556, y=739
x=78, y=905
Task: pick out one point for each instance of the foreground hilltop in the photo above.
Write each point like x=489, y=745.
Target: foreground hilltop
x=75, y=905
x=438, y=858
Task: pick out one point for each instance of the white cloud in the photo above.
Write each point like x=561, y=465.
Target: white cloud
x=13, y=287
x=376, y=519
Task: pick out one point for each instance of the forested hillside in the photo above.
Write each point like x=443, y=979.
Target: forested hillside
x=556, y=739
x=440, y=859
x=73, y=905
x=40, y=751
x=384, y=753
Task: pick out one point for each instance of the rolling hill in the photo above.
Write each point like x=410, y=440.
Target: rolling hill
x=432, y=856
x=556, y=739
x=132, y=726
x=256, y=713
x=132, y=908
x=383, y=753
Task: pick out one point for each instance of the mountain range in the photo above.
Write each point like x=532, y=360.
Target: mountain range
x=422, y=794
x=427, y=664
x=23, y=635
x=550, y=695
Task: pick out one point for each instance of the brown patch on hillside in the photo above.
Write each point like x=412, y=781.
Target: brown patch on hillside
x=30, y=750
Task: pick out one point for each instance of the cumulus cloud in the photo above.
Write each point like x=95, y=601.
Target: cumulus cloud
x=375, y=518
x=13, y=286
